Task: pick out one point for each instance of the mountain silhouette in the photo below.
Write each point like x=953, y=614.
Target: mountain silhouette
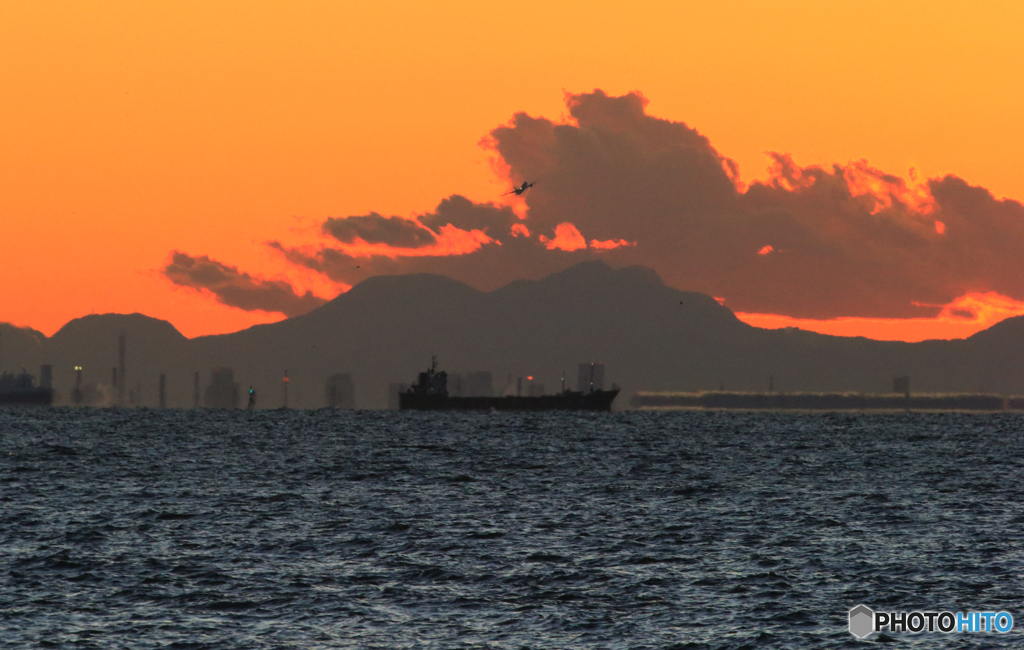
x=20, y=347
x=648, y=335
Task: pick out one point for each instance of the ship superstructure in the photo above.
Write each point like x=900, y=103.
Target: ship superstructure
x=430, y=393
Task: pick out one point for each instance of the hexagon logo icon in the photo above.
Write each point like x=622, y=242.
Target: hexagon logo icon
x=862, y=621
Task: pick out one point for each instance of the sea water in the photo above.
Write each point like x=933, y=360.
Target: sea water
x=322, y=529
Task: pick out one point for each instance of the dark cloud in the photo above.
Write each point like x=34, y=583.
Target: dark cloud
x=846, y=241
x=375, y=229
x=396, y=232
x=462, y=213
x=488, y=268
x=237, y=289
x=509, y=256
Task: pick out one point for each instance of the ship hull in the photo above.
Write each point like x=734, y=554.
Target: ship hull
x=598, y=400
x=35, y=397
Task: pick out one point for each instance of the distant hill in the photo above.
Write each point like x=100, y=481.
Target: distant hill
x=648, y=335
x=20, y=347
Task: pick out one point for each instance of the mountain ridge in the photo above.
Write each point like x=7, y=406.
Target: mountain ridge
x=649, y=335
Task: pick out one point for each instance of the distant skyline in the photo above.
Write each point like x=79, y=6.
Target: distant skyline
x=200, y=163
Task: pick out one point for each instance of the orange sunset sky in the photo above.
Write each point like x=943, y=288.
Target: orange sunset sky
x=131, y=131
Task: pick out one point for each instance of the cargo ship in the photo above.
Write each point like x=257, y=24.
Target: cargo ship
x=430, y=393
x=20, y=390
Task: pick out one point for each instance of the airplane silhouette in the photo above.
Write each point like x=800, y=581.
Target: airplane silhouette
x=519, y=190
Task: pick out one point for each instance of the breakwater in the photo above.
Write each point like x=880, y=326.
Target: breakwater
x=828, y=401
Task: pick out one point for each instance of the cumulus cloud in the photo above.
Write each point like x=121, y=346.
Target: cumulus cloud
x=567, y=238
x=237, y=289
x=849, y=240
x=612, y=181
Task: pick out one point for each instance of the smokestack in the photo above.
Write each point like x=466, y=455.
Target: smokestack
x=195, y=394
x=284, y=382
x=163, y=391
x=76, y=396
x=120, y=369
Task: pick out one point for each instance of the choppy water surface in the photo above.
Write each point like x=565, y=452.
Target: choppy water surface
x=145, y=529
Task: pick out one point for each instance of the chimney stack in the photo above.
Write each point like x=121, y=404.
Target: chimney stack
x=76, y=396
